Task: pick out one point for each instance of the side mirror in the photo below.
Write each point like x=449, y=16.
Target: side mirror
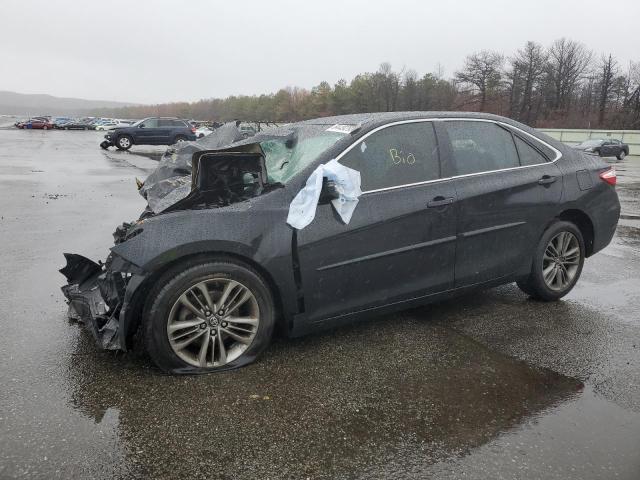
x=329, y=191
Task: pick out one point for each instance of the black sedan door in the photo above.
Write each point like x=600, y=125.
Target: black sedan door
x=400, y=242
x=507, y=192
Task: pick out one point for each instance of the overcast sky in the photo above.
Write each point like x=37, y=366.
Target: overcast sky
x=158, y=51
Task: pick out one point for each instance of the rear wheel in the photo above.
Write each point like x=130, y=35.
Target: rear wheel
x=180, y=138
x=124, y=142
x=206, y=317
x=621, y=155
x=557, y=263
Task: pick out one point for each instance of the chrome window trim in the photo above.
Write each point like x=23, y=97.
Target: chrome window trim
x=419, y=120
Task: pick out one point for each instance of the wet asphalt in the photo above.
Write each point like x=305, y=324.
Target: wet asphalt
x=490, y=385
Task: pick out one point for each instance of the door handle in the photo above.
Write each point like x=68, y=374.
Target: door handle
x=547, y=180
x=440, y=201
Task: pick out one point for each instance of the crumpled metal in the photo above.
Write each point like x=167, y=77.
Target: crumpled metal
x=171, y=181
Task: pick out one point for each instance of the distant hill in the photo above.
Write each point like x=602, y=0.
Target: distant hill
x=12, y=103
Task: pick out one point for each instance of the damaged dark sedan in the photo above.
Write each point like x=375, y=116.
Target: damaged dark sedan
x=446, y=203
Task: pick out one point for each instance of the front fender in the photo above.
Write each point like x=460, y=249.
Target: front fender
x=240, y=229
x=258, y=235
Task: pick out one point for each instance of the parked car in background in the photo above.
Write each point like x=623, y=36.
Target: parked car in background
x=150, y=131
x=41, y=123
x=58, y=121
x=451, y=203
x=99, y=121
x=247, y=130
x=609, y=147
x=107, y=125
x=203, y=131
x=77, y=125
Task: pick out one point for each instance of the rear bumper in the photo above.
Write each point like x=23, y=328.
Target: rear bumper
x=99, y=296
x=605, y=220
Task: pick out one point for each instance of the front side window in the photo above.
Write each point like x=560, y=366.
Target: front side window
x=481, y=147
x=394, y=156
x=150, y=123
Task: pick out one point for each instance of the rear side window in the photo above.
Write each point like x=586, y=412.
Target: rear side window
x=178, y=123
x=528, y=154
x=395, y=156
x=481, y=147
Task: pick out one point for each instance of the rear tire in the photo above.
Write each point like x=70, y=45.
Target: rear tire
x=557, y=263
x=166, y=317
x=621, y=155
x=124, y=142
x=180, y=138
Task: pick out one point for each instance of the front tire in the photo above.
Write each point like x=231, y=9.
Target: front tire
x=124, y=142
x=207, y=316
x=180, y=139
x=557, y=263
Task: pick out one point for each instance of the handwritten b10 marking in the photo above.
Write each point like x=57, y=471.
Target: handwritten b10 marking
x=398, y=159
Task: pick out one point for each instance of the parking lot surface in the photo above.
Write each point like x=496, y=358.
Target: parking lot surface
x=490, y=385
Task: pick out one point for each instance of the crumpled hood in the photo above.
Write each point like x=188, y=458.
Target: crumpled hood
x=172, y=181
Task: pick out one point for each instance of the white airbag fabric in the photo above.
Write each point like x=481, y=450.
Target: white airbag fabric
x=303, y=207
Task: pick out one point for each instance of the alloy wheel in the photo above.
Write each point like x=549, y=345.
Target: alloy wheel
x=213, y=322
x=124, y=142
x=561, y=261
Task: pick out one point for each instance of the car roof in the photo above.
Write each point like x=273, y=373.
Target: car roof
x=385, y=117
x=369, y=121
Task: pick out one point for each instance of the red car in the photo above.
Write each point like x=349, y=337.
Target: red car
x=38, y=122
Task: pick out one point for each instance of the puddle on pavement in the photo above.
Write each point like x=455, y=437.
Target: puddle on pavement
x=584, y=437
x=393, y=394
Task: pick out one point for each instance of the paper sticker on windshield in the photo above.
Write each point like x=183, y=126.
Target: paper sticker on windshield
x=341, y=128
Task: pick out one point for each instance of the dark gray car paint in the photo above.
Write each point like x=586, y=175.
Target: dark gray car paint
x=308, y=269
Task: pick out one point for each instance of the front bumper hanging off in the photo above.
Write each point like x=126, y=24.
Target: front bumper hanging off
x=100, y=295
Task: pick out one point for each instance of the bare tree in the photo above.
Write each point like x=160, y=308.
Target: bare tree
x=608, y=71
x=483, y=71
x=568, y=60
x=528, y=66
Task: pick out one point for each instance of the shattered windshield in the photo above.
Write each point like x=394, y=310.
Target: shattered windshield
x=286, y=157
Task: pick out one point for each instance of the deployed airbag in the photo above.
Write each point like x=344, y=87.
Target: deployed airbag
x=302, y=210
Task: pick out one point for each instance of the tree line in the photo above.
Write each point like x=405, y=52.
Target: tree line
x=563, y=85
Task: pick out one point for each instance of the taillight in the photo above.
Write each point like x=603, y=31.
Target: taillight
x=609, y=176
